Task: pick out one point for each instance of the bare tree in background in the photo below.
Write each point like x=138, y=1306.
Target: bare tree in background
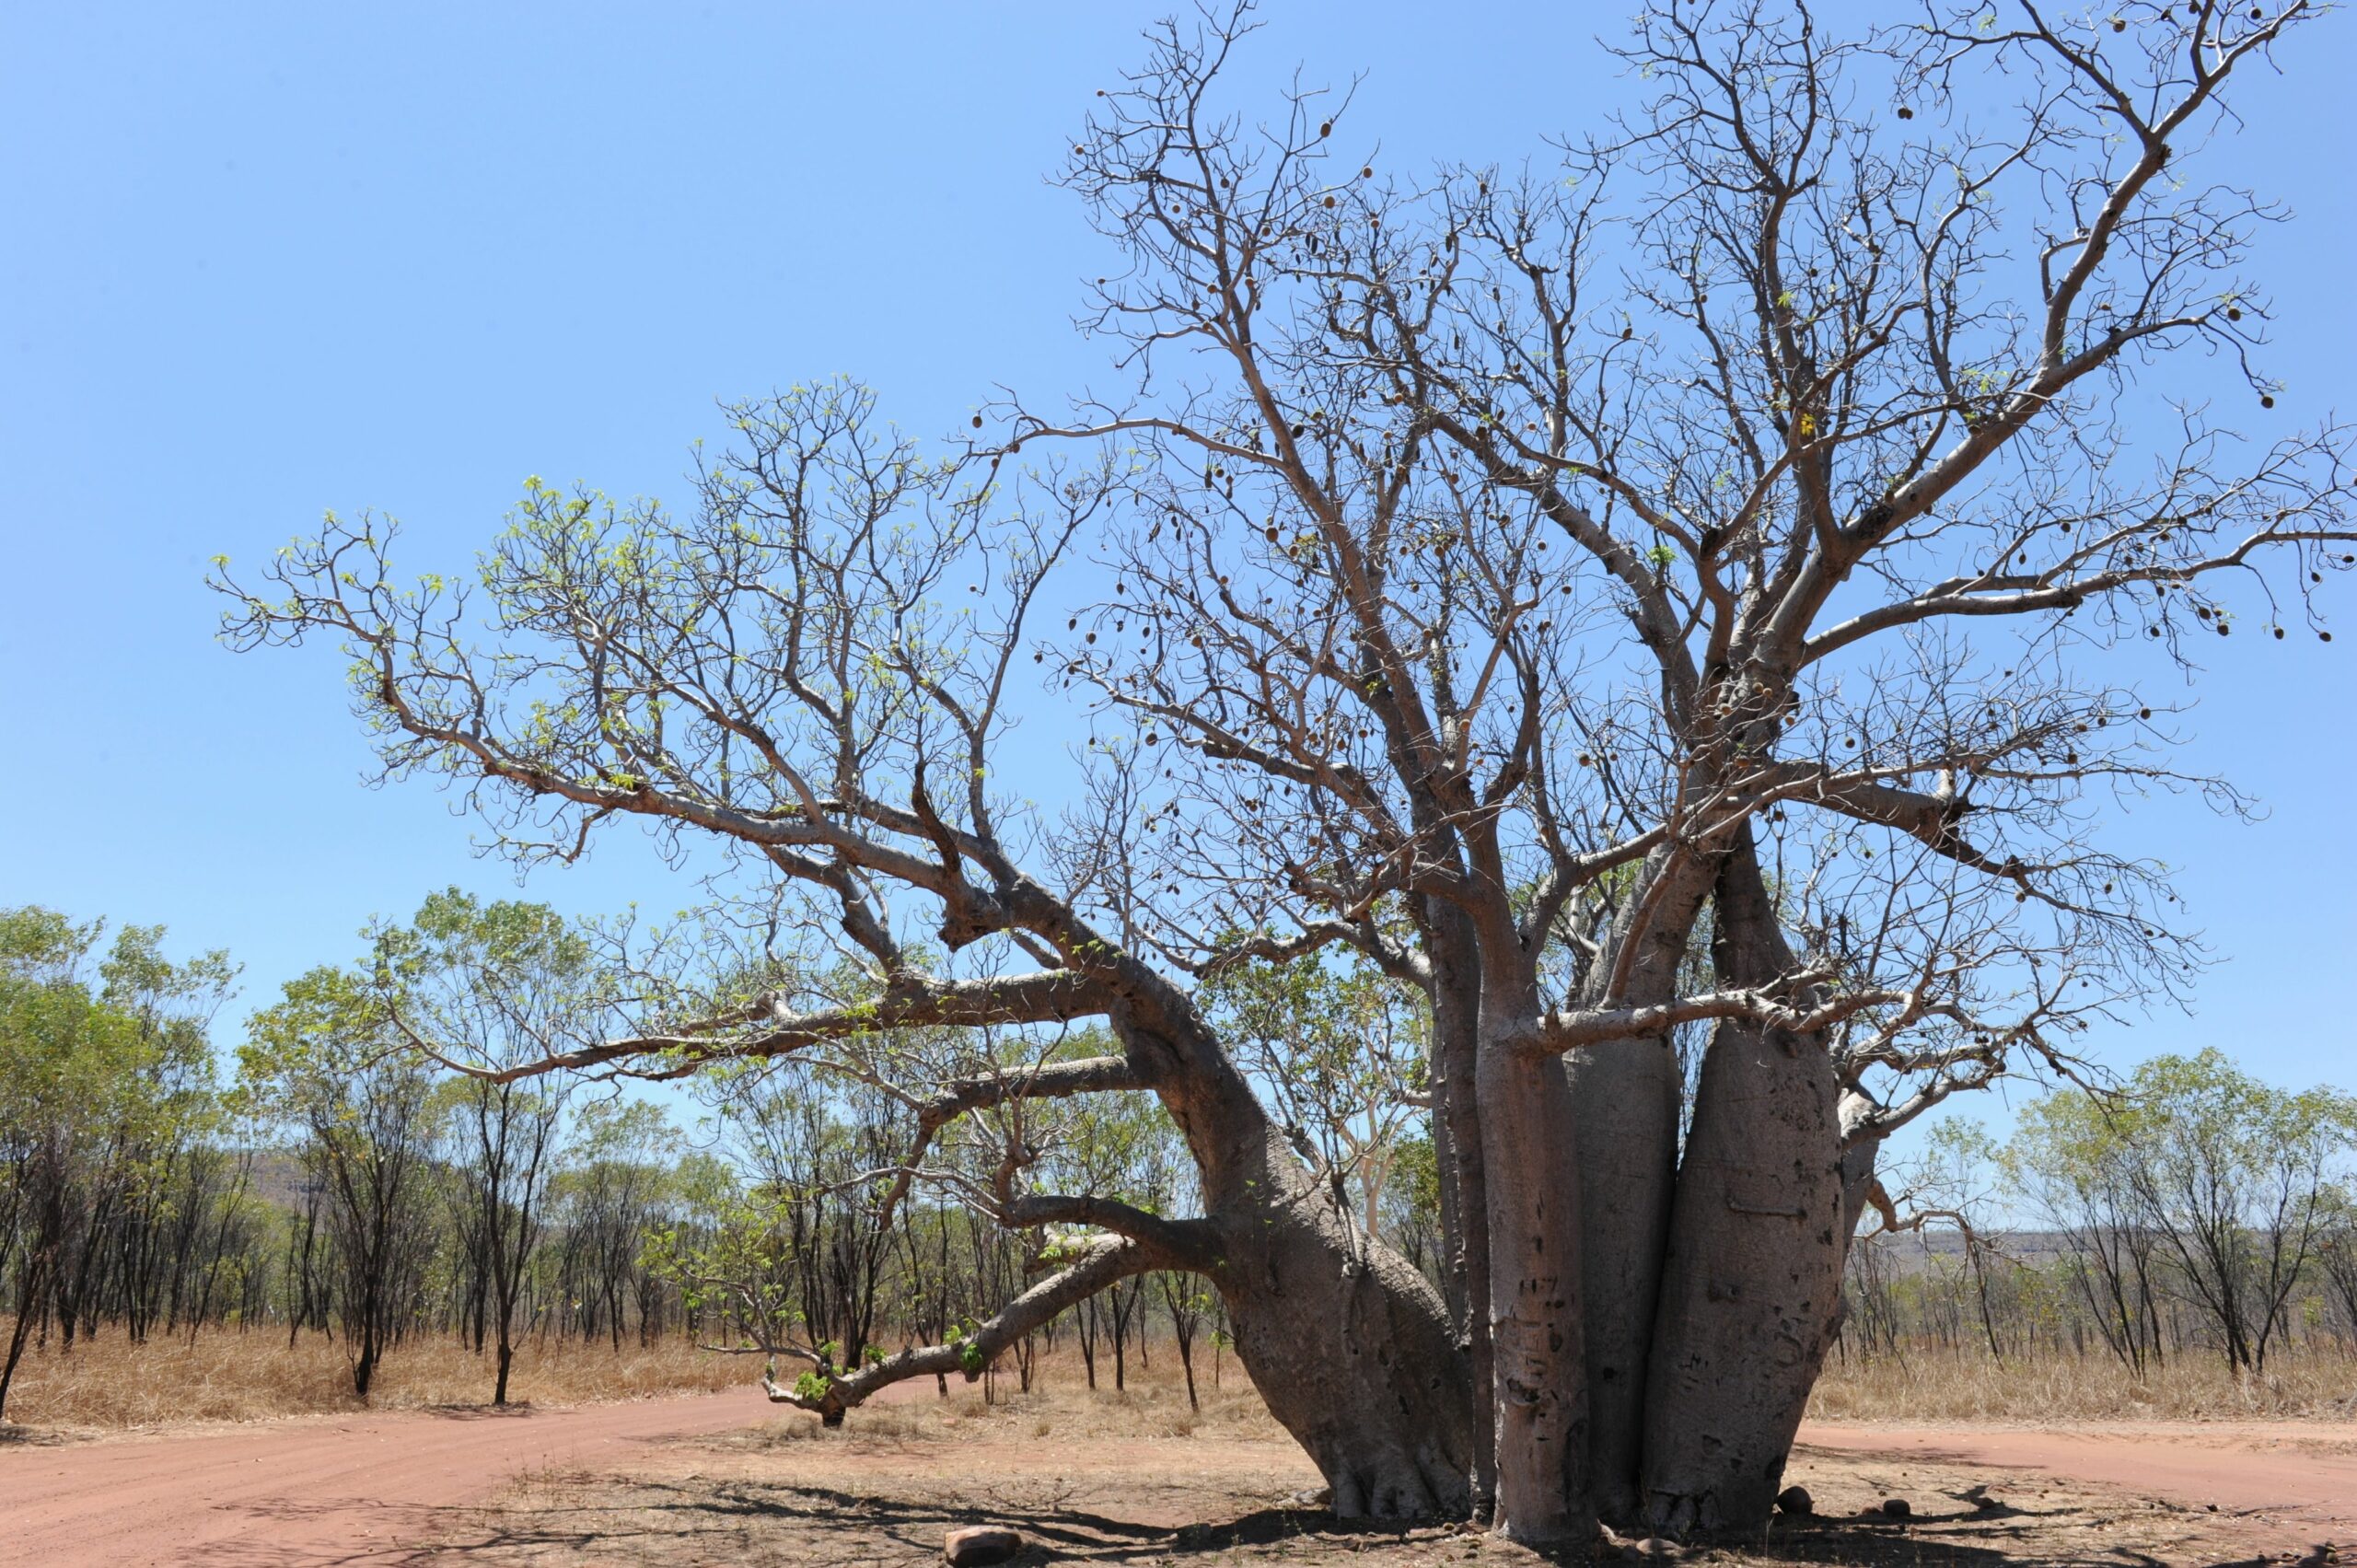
x=487, y=984
x=333, y=1070
x=1701, y=557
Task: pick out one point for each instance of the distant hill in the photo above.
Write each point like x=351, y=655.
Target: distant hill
x=1914, y=1249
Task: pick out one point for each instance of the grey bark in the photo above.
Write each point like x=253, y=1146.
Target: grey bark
x=1354, y=1356
x=1457, y=1154
x=1348, y=1343
x=1541, y=1417
x=1751, y=1285
x=1624, y=1100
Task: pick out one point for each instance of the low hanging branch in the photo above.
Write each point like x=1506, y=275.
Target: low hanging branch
x=828, y=1393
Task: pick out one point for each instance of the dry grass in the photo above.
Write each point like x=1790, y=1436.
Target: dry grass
x=1931, y=1385
x=225, y=1375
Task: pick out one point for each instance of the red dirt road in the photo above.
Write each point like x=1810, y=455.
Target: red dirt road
x=326, y=1490
x=2293, y=1483
x=369, y=1490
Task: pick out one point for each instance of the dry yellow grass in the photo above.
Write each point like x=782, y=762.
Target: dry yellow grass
x=1931, y=1385
x=110, y=1384
x=228, y=1376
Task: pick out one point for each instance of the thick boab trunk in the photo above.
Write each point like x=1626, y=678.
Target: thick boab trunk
x=1624, y=1100
x=1752, y=1283
x=1349, y=1345
x=1463, y=1191
x=1351, y=1350
x=1751, y=1286
x=1540, y=1368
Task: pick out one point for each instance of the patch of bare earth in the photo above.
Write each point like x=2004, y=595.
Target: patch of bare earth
x=1139, y=1480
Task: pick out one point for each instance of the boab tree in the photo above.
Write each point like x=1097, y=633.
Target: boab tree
x=813, y=667
x=1591, y=559
x=1665, y=592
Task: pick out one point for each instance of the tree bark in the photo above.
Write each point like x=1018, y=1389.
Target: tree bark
x=1351, y=1350
x=1626, y=1098
x=1348, y=1343
x=1457, y=1157
x=1541, y=1418
x=1752, y=1283
x=1624, y=1102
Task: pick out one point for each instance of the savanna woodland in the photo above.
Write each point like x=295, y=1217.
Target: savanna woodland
x=1605, y=684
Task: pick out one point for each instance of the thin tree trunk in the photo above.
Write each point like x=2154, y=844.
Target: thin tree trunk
x=29, y=1290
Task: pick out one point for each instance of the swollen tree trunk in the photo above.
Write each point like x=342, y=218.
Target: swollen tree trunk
x=1457, y=1157
x=1751, y=1287
x=1348, y=1343
x=1624, y=1102
x=1541, y=1416
x=1351, y=1351
x=1625, y=1098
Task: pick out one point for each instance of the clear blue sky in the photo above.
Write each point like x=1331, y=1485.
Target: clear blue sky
x=258, y=260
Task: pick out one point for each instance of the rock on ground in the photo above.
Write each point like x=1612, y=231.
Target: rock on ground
x=980, y=1544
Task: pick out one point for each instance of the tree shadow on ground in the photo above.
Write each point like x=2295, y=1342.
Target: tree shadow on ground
x=15, y=1437
x=703, y=1519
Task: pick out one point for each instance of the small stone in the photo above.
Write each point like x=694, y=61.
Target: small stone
x=1897, y=1507
x=1657, y=1546
x=978, y=1545
x=1796, y=1500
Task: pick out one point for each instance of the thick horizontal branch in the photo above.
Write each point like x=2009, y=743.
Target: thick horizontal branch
x=1177, y=1241
x=1570, y=1029
x=1931, y=820
x=907, y=1002
x=1105, y=1262
x=1050, y=1080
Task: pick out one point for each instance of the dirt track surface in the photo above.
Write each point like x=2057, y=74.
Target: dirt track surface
x=2295, y=1482
x=375, y=1489
x=324, y=1489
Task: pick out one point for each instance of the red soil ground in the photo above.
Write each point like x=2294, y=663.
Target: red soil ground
x=375, y=1489
x=313, y=1490
x=2296, y=1481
